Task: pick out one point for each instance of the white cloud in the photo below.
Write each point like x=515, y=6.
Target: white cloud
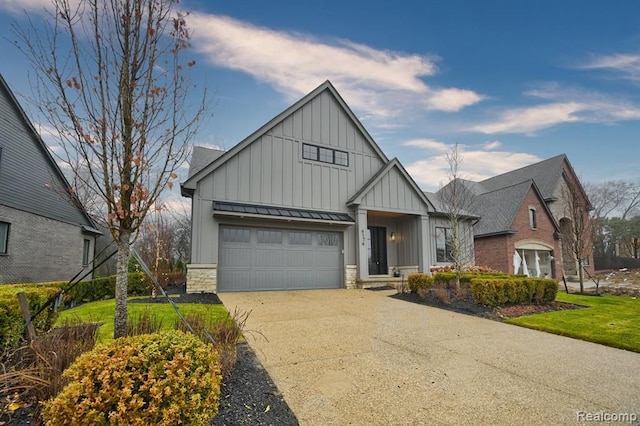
x=380, y=83
x=531, y=119
x=563, y=105
x=18, y=6
x=626, y=64
x=431, y=173
x=452, y=99
x=430, y=144
x=492, y=145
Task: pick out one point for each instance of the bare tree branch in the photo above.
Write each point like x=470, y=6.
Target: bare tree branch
x=111, y=80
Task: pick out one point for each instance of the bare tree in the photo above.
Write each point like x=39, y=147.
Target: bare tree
x=577, y=238
x=457, y=201
x=111, y=80
x=619, y=197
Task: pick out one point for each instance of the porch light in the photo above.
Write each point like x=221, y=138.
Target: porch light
x=393, y=236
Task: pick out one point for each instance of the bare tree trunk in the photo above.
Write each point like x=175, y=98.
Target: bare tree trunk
x=581, y=275
x=120, y=328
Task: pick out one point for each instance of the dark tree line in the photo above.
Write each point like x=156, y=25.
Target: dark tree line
x=615, y=223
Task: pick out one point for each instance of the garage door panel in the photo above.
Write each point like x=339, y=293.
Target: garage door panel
x=243, y=277
x=266, y=258
x=235, y=257
x=326, y=259
x=300, y=258
x=277, y=259
x=273, y=279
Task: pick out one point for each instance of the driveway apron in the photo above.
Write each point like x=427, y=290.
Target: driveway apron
x=360, y=357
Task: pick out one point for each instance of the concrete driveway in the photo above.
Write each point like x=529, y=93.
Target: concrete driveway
x=359, y=357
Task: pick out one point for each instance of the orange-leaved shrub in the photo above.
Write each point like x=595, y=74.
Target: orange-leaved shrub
x=419, y=281
x=161, y=379
x=499, y=292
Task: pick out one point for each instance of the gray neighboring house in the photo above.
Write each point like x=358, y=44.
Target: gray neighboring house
x=44, y=235
x=309, y=200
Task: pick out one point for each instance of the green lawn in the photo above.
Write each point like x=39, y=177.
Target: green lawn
x=608, y=320
x=104, y=311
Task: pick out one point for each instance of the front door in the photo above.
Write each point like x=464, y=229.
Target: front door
x=377, y=250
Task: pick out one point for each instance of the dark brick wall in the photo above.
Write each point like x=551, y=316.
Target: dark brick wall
x=493, y=252
x=40, y=249
x=497, y=252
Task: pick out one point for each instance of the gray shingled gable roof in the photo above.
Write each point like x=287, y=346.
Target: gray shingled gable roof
x=498, y=208
x=189, y=185
x=546, y=174
x=441, y=210
x=201, y=157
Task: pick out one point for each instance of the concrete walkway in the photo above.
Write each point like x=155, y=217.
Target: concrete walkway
x=359, y=357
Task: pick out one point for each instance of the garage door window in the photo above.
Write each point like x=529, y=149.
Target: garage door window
x=269, y=237
x=300, y=238
x=328, y=240
x=236, y=235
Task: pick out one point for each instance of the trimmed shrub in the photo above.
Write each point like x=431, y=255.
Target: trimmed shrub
x=105, y=288
x=161, y=379
x=504, y=291
x=448, y=278
x=11, y=321
x=419, y=280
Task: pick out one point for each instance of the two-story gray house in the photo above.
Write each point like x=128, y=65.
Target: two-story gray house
x=309, y=200
x=45, y=234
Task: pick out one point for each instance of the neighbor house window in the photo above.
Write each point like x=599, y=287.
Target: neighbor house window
x=532, y=218
x=443, y=245
x=4, y=237
x=85, y=252
x=325, y=155
x=585, y=261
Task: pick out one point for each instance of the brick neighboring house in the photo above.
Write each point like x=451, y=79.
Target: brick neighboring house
x=44, y=235
x=526, y=211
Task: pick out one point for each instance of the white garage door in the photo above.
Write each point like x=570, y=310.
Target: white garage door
x=252, y=259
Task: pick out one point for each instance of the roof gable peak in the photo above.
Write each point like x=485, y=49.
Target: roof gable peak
x=326, y=86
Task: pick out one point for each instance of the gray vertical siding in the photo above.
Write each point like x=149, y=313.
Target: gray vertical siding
x=28, y=180
x=271, y=169
x=393, y=192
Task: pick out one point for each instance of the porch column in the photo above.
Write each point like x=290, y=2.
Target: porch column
x=424, y=243
x=361, y=244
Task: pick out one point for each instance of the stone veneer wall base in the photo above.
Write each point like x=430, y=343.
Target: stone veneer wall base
x=202, y=278
x=350, y=272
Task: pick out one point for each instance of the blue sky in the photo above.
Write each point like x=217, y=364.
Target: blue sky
x=513, y=82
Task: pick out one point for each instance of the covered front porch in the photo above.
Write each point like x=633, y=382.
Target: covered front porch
x=390, y=246
x=534, y=258
x=392, y=228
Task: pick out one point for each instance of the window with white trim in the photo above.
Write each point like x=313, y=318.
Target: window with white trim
x=4, y=237
x=86, y=247
x=443, y=245
x=532, y=218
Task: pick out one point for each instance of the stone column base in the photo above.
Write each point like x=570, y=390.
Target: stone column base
x=201, y=278
x=350, y=275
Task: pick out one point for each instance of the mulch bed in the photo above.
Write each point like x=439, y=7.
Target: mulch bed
x=469, y=307
x=247, y=397
x=207, y=298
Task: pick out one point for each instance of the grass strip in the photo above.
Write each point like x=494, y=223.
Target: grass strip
x=608, y=320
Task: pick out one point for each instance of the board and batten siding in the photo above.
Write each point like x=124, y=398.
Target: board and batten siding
x=271, y=169
x=392, y=192
x=28, y=180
